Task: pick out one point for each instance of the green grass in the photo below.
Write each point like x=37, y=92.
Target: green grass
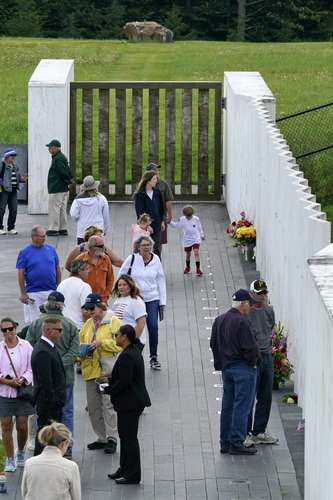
x=299, y=74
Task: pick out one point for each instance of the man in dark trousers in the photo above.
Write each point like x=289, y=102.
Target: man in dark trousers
x=49, y=377
x=235, y=353
x=58, y=180
x=262, y=321
x=129, y=397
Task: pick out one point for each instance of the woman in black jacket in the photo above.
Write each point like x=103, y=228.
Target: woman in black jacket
x=148, y=200
x=129, y=397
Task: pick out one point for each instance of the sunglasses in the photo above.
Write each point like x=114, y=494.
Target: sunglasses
x=57, y=329
x=99, y=246
x=8, y=329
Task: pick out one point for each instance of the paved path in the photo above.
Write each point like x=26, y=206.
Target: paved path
x=179, y=433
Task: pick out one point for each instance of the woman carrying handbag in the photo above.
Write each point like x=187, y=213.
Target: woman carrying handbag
x=15, y=377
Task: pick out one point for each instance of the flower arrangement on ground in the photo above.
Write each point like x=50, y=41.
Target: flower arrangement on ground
x=242, y=231
x=282, y=366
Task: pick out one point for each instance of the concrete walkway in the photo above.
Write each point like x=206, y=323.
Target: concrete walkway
x=179, y=433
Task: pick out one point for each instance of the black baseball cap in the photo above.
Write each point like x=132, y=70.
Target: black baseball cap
x=153, y=166
x=92, y=300
x=243, y=295
x=259, y=287
x=56, y=297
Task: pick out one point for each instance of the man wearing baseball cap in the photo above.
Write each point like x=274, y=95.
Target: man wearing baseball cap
x=235, y=354
x=262, y=321
x=10, y=179
x=68, y=346
x=58, y=180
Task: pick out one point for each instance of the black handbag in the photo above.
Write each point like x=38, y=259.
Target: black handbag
x=25, y=392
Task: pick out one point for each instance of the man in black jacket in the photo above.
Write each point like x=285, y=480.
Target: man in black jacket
x=129, y=397
x=235, y=353
x=58, y=180
x=49, y=377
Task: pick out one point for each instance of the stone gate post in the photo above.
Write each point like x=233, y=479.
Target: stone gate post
x=48, y=118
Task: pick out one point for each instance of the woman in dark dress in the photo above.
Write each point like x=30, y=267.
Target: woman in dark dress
x=148, y=200
x=129, y=397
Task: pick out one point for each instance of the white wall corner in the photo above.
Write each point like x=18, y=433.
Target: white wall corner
x=48, y=118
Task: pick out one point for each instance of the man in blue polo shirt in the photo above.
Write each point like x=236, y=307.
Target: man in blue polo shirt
x=38, y=273
x=235, y=353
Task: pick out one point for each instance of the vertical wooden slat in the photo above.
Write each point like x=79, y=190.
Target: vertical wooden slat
x=103, y=140
x=72, y=140
x=217, y=143
x=136, y=136
x=186, y=171
x=170, y=135
x=120, y=149
x=87, y=131
x=203, y=121
x=153, y=137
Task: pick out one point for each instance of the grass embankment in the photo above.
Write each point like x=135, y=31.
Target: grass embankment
x=299, y=74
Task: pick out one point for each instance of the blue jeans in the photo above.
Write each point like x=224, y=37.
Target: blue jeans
x=68, y=410
x=239, y=383
x=265, y=374
x=152, y=325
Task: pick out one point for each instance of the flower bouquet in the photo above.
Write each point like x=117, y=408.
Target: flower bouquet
x=243, y=233
x=282, y=366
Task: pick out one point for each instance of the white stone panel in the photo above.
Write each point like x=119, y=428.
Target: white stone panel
x=48, y=118
x=263, y=179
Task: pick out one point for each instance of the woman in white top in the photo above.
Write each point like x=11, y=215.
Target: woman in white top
x=90, y=207
x=146, y=269
x=50, y=476
x=129, y=307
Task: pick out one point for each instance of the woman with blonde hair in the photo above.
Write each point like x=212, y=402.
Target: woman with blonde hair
x=82, y=247
x=49, y=475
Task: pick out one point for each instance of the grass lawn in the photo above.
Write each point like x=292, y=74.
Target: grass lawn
x=299, y=74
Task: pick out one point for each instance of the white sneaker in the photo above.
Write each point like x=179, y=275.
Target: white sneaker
x=12, y=231
x=264, y=438
x=3, y=231
x=10, y=465
x=248, y=441
x=31, y=445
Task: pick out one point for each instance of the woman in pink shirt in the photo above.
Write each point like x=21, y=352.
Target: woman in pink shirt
x=14, y=374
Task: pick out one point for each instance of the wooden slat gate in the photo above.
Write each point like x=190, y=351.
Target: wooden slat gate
x=176, y=124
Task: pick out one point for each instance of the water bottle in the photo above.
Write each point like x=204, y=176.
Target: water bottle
x=3, y=483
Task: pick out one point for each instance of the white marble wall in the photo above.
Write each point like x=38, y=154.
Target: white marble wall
x=48, y=118
x=263, y=179
x=319, y=376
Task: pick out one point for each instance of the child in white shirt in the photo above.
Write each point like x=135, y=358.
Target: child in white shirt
x=192, y=236
x=142, y=228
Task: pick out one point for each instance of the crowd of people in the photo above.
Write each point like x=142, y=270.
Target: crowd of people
x=100, y=323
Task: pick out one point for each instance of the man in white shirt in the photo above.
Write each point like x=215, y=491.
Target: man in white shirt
x=75, y=290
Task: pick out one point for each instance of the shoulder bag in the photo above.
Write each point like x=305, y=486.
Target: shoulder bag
x=25, y=392
x=129, y=272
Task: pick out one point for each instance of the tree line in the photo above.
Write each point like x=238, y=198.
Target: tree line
x=251, y=20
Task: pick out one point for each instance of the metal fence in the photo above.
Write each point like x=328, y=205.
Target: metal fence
x=117, y=127
x=309, y=134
